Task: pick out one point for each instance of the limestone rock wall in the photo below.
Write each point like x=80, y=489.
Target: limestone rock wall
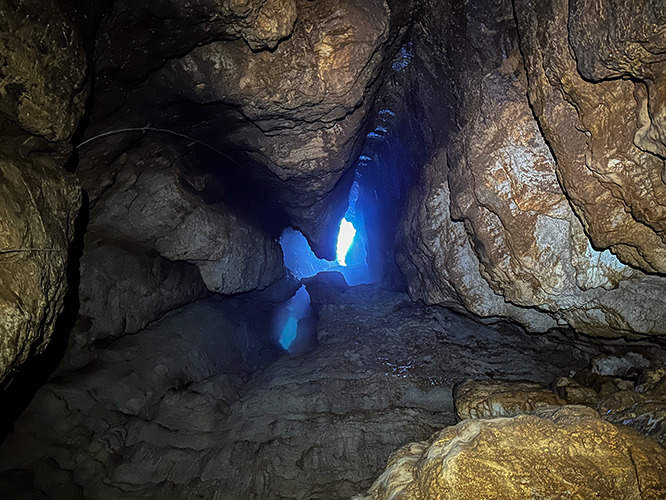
x=42, y=92
x=43, y=69
x=493, y=223
x=293, y=115
x=154, y=244
x=605, y=130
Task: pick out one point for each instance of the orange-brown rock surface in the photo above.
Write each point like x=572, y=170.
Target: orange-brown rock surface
x=492, y=223
x=596, y=84
x=488, y=399
x=42, y=93
x=560, y=452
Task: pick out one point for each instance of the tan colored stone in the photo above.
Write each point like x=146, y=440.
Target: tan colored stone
x=42, y=93
x=489, y=399
x=574, y=393
x=563, y=452
x=43, y=69
x=38, y=207
x=615, y=188
x=652, y=375
x=489, y=226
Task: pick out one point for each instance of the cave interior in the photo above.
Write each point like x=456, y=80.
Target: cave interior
x=309, y=249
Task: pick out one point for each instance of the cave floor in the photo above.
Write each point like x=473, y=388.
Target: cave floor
x=162, y=415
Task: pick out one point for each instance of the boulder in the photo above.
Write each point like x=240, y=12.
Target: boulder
x=489, y=399
x=574, y=392
x=42, y=94
x=556, y=453
x=38, y=208
x=153, y=204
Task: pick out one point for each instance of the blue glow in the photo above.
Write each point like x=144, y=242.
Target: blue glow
x=403, y=58
x=299, y=257
x=351, y=246
x=288, y=333
x=287, y=318
x=345, y=239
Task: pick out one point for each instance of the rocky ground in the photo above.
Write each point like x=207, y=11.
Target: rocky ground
x=197, y=406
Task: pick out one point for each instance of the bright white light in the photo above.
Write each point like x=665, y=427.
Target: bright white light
x=345, y=239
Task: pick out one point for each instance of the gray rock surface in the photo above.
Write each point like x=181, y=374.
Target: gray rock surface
x=152, y=239
x=165, y=412
x=148, y=413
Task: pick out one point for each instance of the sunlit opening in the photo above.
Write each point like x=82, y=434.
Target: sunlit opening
x=345, y=239
x=351, y=256
x=299, y=257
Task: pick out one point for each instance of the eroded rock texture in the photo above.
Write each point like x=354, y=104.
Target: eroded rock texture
x=37, y=211
x=491, y=226
x=42, y=75
x=483, y=399
x=158, y=238
x=163, y=412
x=580, y=456
x=43, y=69
x=604, y=130
x=292, y=115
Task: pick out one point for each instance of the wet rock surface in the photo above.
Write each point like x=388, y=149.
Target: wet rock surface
x=170, y=410
x=557, y=452
x=147, y=416
x=42, y=94
x=490, y=225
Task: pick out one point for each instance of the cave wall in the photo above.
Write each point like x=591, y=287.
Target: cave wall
x=499, y=220
x=536, y=150
x=43, y=89
x=281, y=88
